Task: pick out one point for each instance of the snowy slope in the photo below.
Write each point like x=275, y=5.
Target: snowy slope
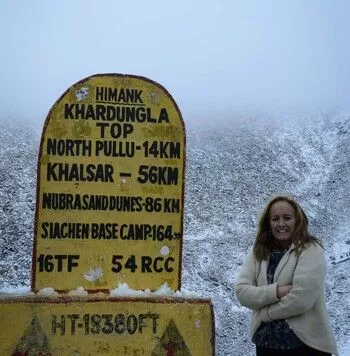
x=232, y=169
x=19, y=145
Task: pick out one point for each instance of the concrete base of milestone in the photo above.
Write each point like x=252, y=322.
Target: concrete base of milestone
x=105, y=325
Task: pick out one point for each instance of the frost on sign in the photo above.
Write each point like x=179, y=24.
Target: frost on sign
x=94, y=274
x=110, y=192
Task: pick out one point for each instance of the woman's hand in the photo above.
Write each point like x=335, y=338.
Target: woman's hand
x=283, y=290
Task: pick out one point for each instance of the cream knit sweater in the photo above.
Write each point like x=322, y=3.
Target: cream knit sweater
x=303, y=308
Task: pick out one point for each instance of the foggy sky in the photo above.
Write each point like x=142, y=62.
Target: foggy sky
x=215, y=57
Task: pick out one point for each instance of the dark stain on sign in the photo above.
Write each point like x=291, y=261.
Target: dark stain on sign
x=171, y=343
x=34, y=341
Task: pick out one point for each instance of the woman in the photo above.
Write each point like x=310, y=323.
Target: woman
x=282, y=281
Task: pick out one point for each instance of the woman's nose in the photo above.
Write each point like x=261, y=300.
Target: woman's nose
x=281, y=222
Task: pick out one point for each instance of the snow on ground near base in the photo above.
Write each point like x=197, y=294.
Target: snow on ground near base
x=16, y=291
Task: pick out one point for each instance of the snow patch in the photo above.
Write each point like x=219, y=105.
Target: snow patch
x=80, y=291
x=123, y=290
x=164, y=290
x=16, y=291
x=47, y=292
x=164, y=251
x=94, y=275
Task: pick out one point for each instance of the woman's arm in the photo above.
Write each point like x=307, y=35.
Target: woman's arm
x=248, y=293
x=307, y=283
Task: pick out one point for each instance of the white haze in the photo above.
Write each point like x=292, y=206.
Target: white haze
x=214, y=57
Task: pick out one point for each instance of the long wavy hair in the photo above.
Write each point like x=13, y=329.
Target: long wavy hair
x=264, y=241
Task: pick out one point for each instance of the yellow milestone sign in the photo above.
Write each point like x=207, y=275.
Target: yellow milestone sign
x=97, y=326
x=110, y=187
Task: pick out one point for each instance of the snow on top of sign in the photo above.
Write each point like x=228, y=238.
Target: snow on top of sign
x=122, y=290
x=80, y=291
x=164, y=290
x=47, y=292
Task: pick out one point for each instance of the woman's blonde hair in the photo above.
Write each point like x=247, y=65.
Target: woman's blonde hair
x=264, y=241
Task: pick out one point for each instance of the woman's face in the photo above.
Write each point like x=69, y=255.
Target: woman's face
x=282, y=222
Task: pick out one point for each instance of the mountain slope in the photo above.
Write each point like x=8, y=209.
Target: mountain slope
x=233, y=168
x=232, y=172
x=19, y=144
